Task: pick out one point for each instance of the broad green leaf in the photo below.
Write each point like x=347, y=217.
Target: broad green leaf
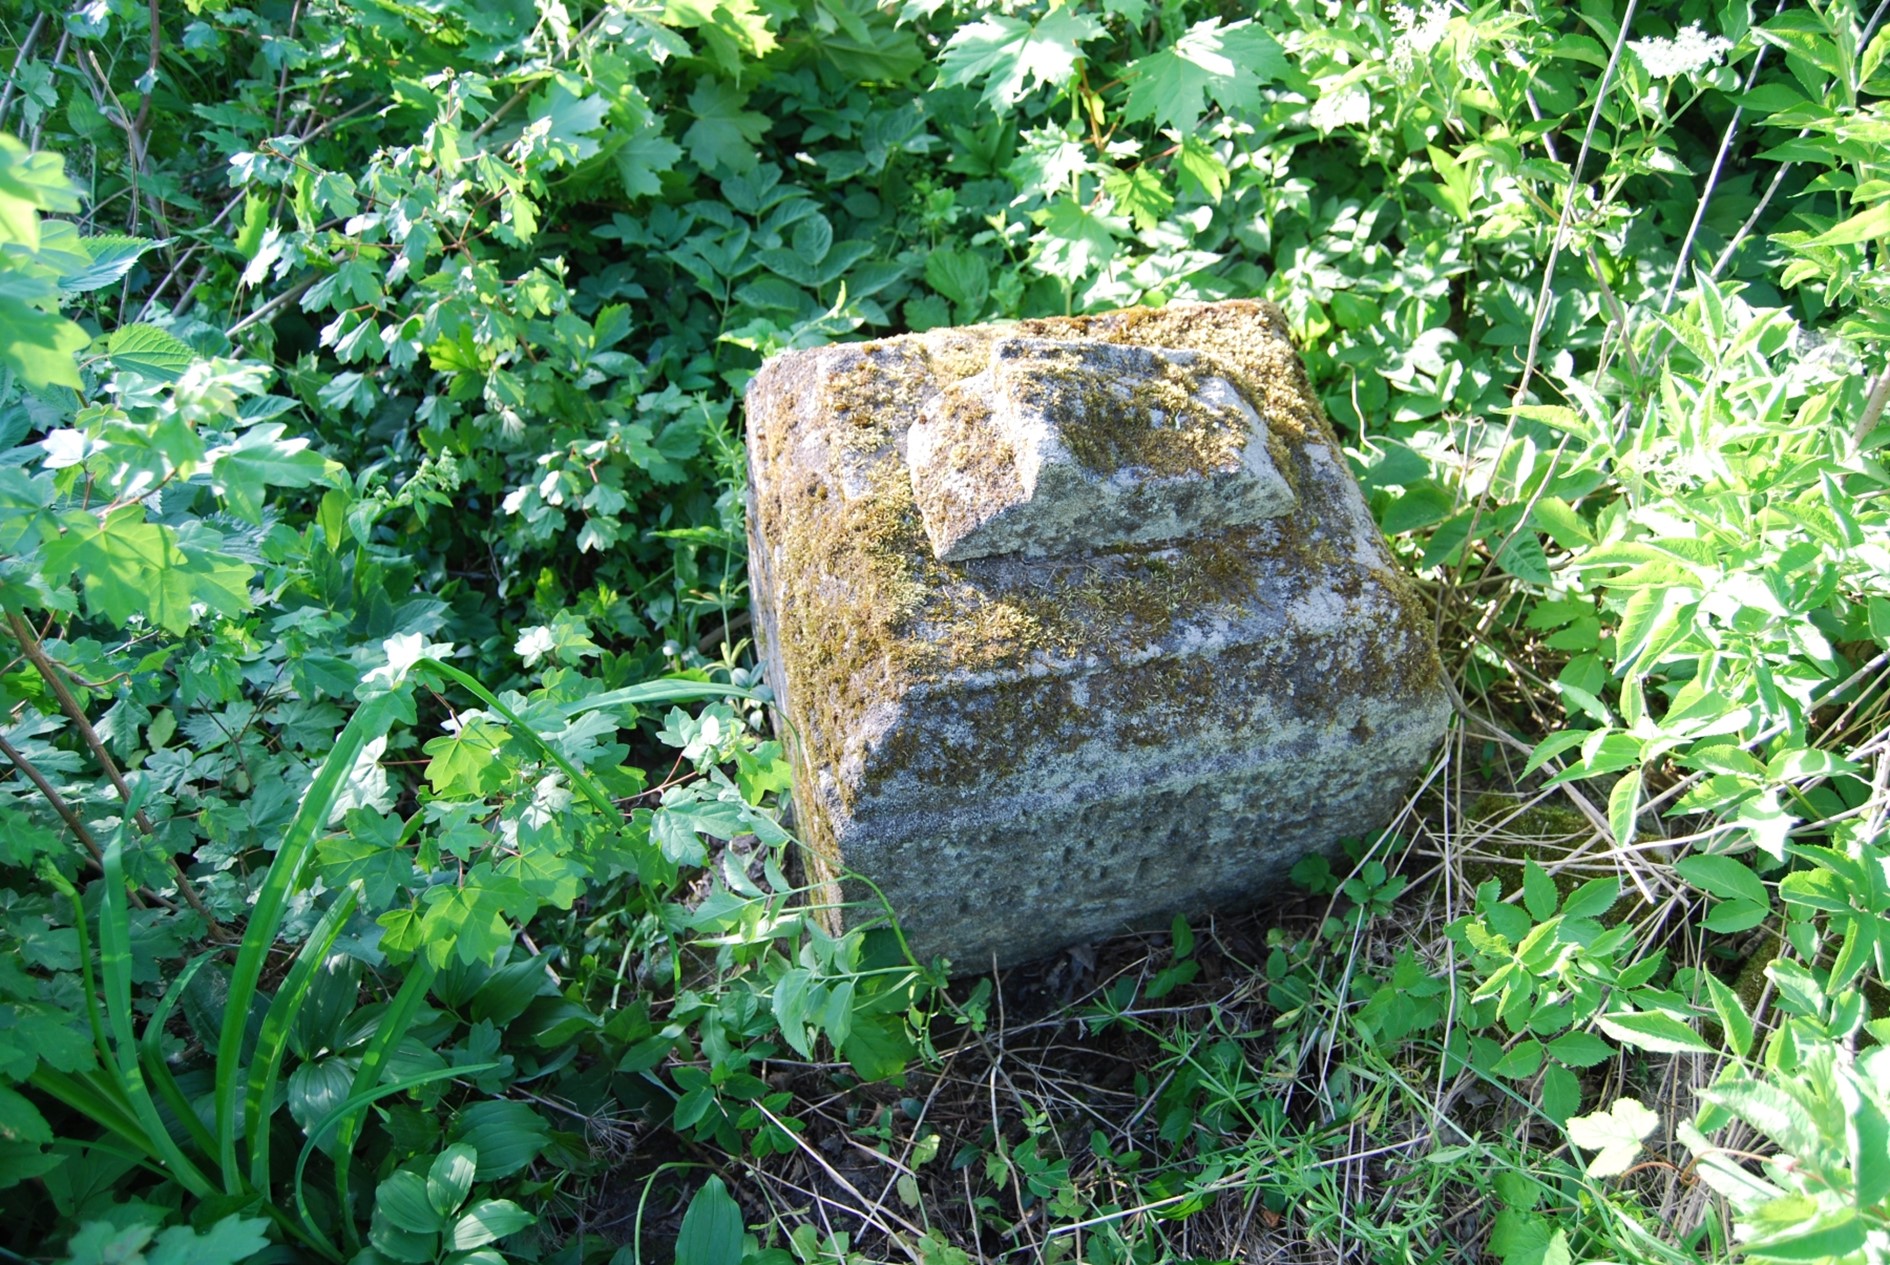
x=148, y=350
x=1653, y=1031
x=1011, y=55
x=112, y=256
x=1615, y=1135
x=402, y=1199
x=1581, y=1049
x=261, y=458
x=1724, y=877
x=506, y=1134
x=1225, y=65
x=450, y=1178
x=711, y=1231
x=1074, y=242
x=724, y=135
x=487, y=1221
x=1867, y=225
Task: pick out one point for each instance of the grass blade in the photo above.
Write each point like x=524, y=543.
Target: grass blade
x=114, y=956
x=371, y=720
x=151, y=1051
x=266, y=1062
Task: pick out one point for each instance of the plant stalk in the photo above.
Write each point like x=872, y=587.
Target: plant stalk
x=49, y=671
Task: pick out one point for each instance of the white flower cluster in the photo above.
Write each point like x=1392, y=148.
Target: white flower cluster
x=1419, y=33
x=1687, y=53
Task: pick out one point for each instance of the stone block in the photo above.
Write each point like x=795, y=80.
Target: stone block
x=1074, y=624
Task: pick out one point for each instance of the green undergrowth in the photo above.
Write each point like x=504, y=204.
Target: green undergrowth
x=392, y=858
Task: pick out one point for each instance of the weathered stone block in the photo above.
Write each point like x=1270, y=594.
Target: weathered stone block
x=1075, y=623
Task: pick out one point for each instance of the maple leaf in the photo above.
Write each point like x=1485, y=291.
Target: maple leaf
x=1075, y=240
x=1013, y=55
x=1615, y=1133
x=1226, y=65
x=724, y=136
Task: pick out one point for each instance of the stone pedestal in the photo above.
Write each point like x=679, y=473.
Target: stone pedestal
x=1074, y=624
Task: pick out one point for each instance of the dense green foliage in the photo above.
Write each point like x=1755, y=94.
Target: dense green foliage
x=388, y=845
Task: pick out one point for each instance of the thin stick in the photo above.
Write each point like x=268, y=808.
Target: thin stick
x=49, y=671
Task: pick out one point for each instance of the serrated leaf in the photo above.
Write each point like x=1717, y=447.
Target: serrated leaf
x=1866, y=226
x=1615, y=1134
x=1539, y=895
x=1073, y=241
x=724, y=134
x=1581, y=1049
x=1014, y=55
x=1724, y=877
x=148, y=350
x=1653, y=1031
x=1209, y=62
x=112, y=256
x=1734, y=1022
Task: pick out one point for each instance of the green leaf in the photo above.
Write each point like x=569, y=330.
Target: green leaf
x=507, y=1135
x=1734, y=1022
x=39, y=345
x=1624, y=803
x=1592, y=899
x=1561, y=1093
x=1581, y=1049
x=149, y=351
x=130, y=567
x=1724, y=877
x=1615, y=1134
x=1539, y=895
x=232, y=1239
x=711, y=1231
x=1866, y=226
x=487, y=1221
x=724, y=135
x=1073, y=241
x=1654, y=1031
x=1140, y=193
x=112, y=256
x=20, y=1120
x=1015, y=55
x=450, y=1178
x=1201, y=169
x=402, y=1199
x=258, y=459
x=1208, y=62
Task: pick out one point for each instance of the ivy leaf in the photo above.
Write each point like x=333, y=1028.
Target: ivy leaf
x=1013, y=55
x=1173, y=85
x=1616, y=1134
x=724, y=135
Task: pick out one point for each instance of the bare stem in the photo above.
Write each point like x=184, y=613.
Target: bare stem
x=55, y=679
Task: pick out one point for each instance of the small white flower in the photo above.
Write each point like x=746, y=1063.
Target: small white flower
x=534, y=644
x=1687, y=53
x=403, y=651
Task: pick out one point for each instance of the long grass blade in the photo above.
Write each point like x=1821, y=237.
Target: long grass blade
x=151, y=1051
x=114, y=957
x=266, y=1063
x=372, y=719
